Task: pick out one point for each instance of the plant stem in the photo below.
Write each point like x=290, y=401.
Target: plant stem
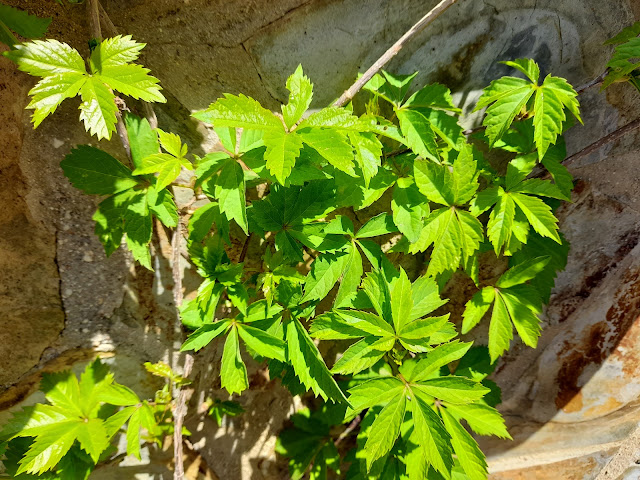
x=97, y=12
x=613, y=136
x=393, y=51
x=93, y=10
x=350, y=428
x=596, y=81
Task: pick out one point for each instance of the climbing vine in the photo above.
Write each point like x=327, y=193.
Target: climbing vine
x=351, y=222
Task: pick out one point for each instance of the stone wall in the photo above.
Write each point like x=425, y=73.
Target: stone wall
x=573, y=404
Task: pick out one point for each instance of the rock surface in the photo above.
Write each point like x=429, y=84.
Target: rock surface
x=572, y=405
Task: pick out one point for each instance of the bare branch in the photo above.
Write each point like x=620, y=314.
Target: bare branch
x=596, y=81
x=393, y=51
x=93, y=11
x=612, y=137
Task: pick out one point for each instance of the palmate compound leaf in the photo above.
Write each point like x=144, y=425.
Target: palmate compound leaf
x=72, y=416
x=508, y=97
x=64, y=76
x=456, y=236
x=455, y=233
x=259, y=342
x=399, y=318
x=167, y=165
x=513, y=302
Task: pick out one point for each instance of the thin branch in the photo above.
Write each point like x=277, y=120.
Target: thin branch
x=393, y=51
x=97, y=13
x=180, y=409
x=596, y=81
x=245, y=249
x=108, y=25
x=93, y=11
x=352, y=426
x=612, y=137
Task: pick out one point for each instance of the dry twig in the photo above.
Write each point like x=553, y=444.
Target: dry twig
x=393, y=51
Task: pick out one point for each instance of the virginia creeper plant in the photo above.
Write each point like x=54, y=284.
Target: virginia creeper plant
x=326, y=205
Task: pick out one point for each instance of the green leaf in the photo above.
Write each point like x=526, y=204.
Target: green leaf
x=162, y=205
x=203, y=219
x=239, y=111
x=332, y=145
x=133, y=434
x=440, y=356
x=455, y=235
x=44, y=58
x=506, y=97
x=476, y=308
x=483, y=419
x=167, y=166
x=526, y=66
x=368, y=152
x=230, y=192
x=552, y=161
x=93, y=437
x=522, y=272
x=64, y=76
x=431, y=435
x=49, y=447
x=98, y=108
x=262, y=343
x=381, y=224
x=325, y=272
x=308, y=364
x=300, y=95
x=426, y=297
x=523, y=316
x=446, y=186
x=552, y=98
x=385, y=429
x=539, y=215
x=401, y=301
x=49, y=93
x=351, y=277
x=419, y=134
x=419, y=331
x=203, y=336
x=25, y=25
x=282, y=151
x=392, y=88
x=142, y=139
x=233, y=372
x=378, y=391
x=376, y=287
x=434, y=95
x=469, y=454
x=139, y=228
x=500, y=329
x=96, y=172
x=115, y=51
x=500, y=226
x=362, y=355
x=133, y=81
x=332, y=326
x=409, y=208
x=456, y=390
